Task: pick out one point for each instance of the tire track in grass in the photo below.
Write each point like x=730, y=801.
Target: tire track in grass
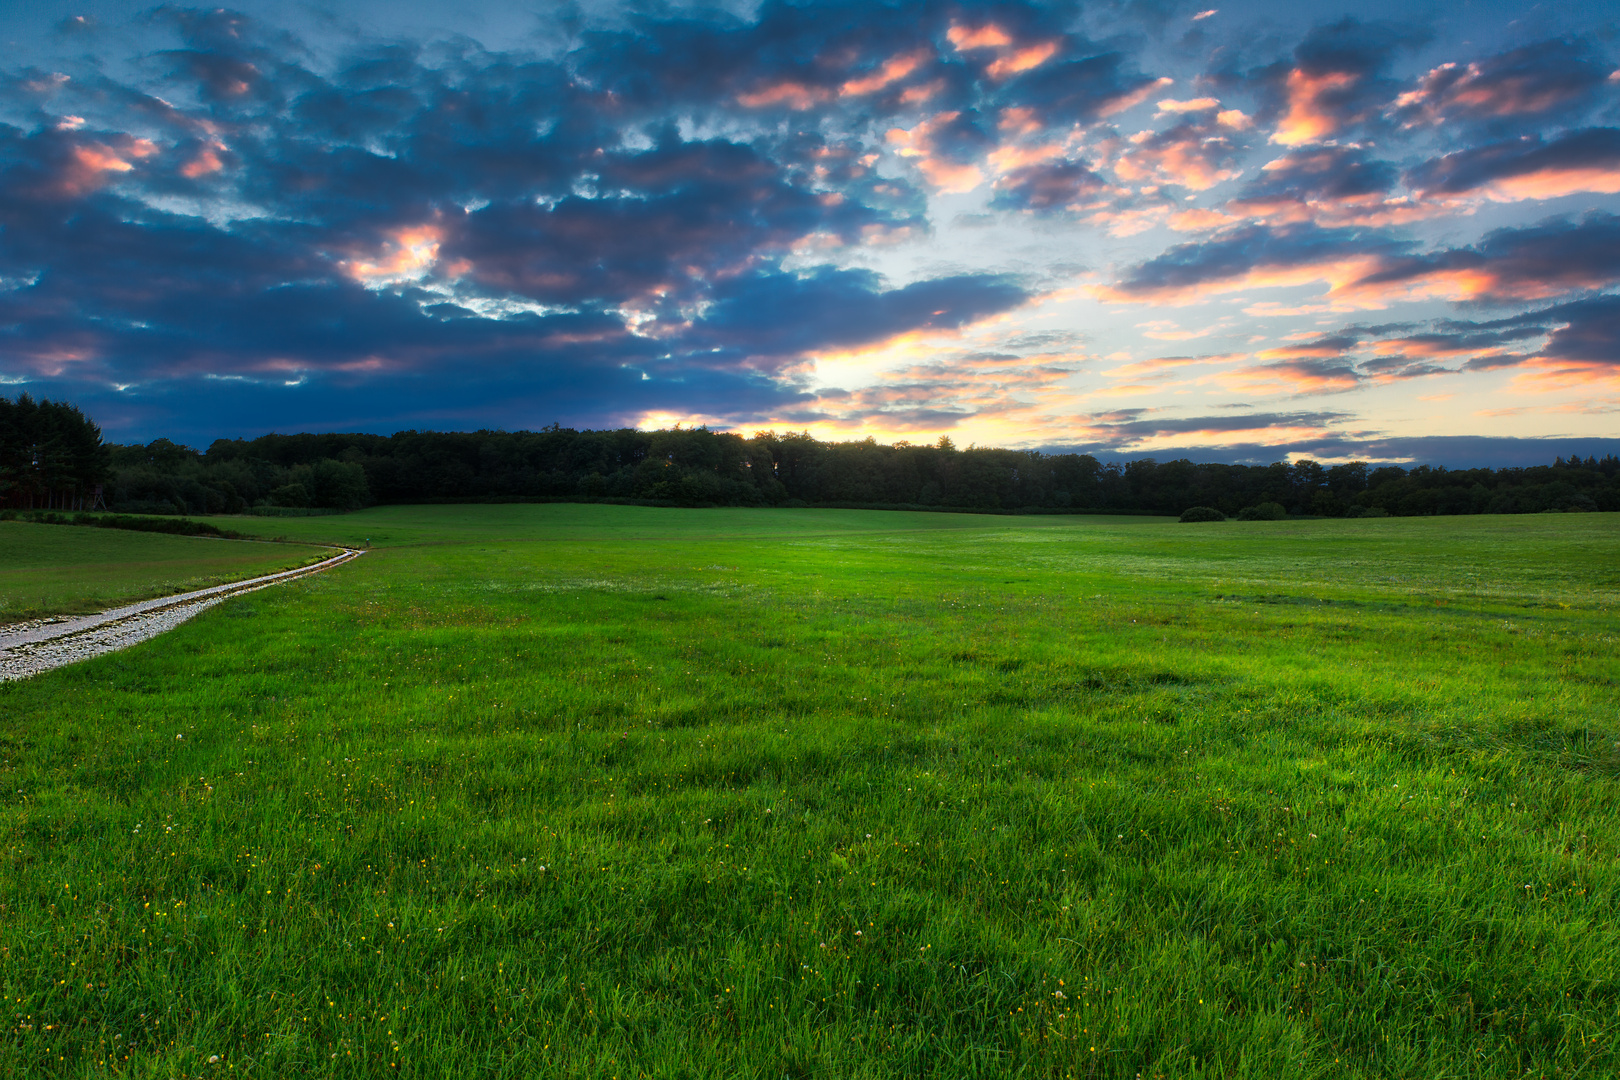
x=29, y=648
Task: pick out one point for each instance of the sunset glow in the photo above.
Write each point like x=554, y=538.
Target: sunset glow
x=1251, y=232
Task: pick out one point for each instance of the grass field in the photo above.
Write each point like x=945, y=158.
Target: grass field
x=592, y=791
x=56, y=569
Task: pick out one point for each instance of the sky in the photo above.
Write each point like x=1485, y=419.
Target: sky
x=1251, y=232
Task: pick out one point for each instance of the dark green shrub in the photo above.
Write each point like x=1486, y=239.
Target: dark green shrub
x=1266, y=511
x=1202, y=513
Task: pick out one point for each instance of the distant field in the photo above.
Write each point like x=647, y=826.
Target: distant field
x=62, y=569
x=594, y=791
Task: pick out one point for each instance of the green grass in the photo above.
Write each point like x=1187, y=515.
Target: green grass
x=57, y=569
x=621, y=792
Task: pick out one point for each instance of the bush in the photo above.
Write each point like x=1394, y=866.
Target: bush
x=1266, y=511
x=1367, y=511
x=1202, y=513
x=290, y=495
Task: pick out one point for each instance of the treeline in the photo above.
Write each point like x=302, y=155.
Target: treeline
x=51, y=456
x=698, y=467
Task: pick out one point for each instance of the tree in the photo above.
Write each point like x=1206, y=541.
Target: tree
x=50, y=454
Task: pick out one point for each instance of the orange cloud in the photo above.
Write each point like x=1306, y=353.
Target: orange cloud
x=89, y=165
x=1181, y=156
x=988, y=36
x=795, y=95
x=1543, y=374
x=1553, y=184
x=1164, y=367
x=1476, y=91
x=892, y=71
x=945, y=174
x=408, y=252
x=207, y=161
x=1135, y=97
x=1367, y=211
x=1448, y=283
x=1022, y=59
x=1308, y=119
x=922, y=92
x=1019, y=120
x=1289, y=378
x=1203, y=104
x=1007, y=158
x=1341, y=274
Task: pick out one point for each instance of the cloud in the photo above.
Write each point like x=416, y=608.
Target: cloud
x=773, y=314
x=1530, y=167
x=1139, y=430
x=1370, y=269
x=945, y=148
x=1583, y=348
x=1336, y=81
x=1332, y=186
x=1558, y=77
x=1195, y=155
x=1332, y=443
x=672, y=202
x=1253, y=256
x=1051, y=186
x=1160, y=368
x=1081, y=91
x=1300, y=377
x=1539, y=262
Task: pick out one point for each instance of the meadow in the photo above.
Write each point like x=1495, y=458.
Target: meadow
x=66, y=570
x=599, y=791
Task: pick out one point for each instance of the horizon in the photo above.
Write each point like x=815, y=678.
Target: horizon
x=1438, y=452
x=1219, y=232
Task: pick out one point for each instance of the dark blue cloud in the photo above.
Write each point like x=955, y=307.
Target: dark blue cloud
x=1334, y=174
x=1078, y=90
x=1526, y=87
x=1526, y=159
x=790, y=314
x=1554, y=257
x=1234, y=254
x=1584, y=332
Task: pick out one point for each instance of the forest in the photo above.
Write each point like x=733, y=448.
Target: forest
x=700, y=467
x=51, y=456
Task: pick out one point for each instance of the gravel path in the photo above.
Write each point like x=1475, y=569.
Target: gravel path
x=31, y=647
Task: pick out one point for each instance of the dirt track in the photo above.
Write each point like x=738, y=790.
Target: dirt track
x=32, y=647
